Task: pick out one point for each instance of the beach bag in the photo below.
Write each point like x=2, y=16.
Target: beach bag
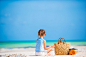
x=61, y=48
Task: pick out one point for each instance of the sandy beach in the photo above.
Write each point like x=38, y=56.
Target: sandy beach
x=30, y=52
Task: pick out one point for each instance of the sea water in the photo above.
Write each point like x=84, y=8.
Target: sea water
x=32, y=43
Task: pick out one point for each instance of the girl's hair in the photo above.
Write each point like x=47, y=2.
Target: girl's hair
x=41, y=32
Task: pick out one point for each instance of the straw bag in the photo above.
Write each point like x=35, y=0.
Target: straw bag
x=61, y=48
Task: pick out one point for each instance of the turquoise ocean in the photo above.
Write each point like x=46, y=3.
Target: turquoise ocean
x=32, y=43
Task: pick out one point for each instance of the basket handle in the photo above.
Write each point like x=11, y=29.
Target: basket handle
x=59, y=40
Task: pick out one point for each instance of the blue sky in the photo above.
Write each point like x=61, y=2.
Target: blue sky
x=21, y=20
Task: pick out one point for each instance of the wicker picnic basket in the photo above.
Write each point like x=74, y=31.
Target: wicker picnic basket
x=61, y=48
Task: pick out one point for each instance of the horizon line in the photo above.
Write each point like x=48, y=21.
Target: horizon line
x=35, y=40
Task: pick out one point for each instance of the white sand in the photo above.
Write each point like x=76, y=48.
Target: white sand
x=30, y=52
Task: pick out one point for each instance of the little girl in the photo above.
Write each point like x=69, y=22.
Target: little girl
x=41, y=48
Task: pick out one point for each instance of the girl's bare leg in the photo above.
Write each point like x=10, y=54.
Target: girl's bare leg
x=49, y=50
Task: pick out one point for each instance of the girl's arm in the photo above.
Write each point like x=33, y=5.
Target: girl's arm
x=46, y=48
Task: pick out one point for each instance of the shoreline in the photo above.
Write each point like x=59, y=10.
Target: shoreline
x=34, y=47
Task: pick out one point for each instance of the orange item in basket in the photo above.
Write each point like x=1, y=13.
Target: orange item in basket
x=72, y=52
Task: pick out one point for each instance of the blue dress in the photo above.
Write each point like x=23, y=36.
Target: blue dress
x=39, y=44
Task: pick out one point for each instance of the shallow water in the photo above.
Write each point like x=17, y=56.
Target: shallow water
x=32, y=43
